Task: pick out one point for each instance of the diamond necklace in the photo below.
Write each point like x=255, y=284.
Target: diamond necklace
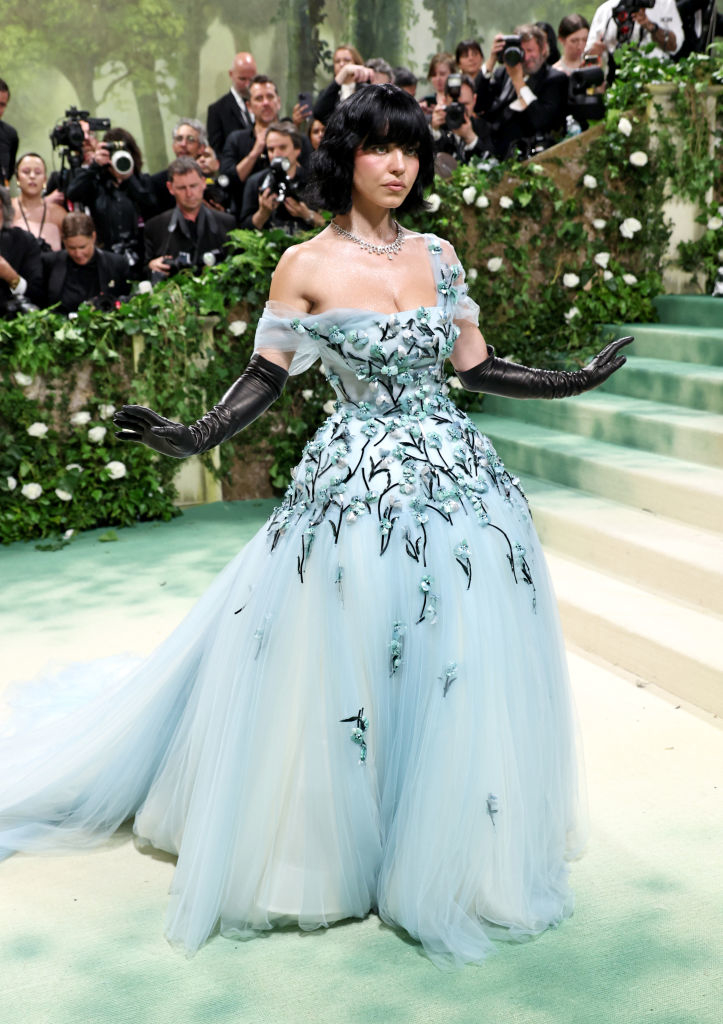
x=379, y=250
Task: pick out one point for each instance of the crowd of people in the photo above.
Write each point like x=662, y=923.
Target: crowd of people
x=85, y=234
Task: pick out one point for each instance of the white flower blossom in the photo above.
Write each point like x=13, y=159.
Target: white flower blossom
x=63, y=495
x=572, y=312
x=433, y=202
x=12, y=483
x=630, y=226
x=79, y=419
x=590, y=181
x=72, y=316
x=116, y=469
x=570, y=280
x=720, y=256
x=630, y=279
x=608, y=275
x=494, y=264
x=144, y=287
x=599, y=223
x=68, y=534
x=468, y=194
x=481, y=202
x=329, y=407
x=38, y=429
x=472, y=274
x=237, y=327
x=31, y=491
x=537, y=168
x=73, y=465
x=96, y=434
x=209, y=259
x=714, y=224
x=506, y=202
x=106, y=411
x=22, y=379
x=625, y=127
x=306, y=394
x=638, y=158
x=602, y=259
x=454, y=382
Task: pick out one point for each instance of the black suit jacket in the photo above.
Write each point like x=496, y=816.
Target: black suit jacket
x=8, y=151
x=238, y=145
x=23, y=253
x=223, y=117
x=112, y=274
x=167, y=234
x=545, y=115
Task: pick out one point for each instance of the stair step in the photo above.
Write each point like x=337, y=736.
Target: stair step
x=683, y=562
x=675, y=431
x=699, y=310
x=673, y=342
x=684, y=491
x=664, y=642
x=689, y=384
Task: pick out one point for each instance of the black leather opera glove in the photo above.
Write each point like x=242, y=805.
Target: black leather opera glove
x=257, y=388
x=499, y=377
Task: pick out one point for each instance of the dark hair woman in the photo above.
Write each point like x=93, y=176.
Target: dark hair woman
x=82, y=272
x=369, y=711
x=572, y=34
x=34, y=212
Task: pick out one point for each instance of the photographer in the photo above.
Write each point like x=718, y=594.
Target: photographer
x=272, y=198
x=216, y=194
x=118, y=196
x=82, y=272
x=636, y=21
x=21, y=275
x=521, y=98
x=454, y=128
x=8, y=138
x=189, y=138
x=191, y=234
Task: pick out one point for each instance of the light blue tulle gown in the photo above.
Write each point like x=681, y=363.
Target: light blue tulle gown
x=368, y=709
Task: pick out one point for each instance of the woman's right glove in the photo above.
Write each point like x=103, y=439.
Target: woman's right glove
x=257, y=388
x=499, y=377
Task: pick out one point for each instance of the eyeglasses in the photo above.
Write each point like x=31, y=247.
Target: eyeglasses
x=185, y=138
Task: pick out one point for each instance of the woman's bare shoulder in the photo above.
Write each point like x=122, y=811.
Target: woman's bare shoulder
x=294, y=279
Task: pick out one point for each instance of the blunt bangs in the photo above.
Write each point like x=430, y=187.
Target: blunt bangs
x=373, y=115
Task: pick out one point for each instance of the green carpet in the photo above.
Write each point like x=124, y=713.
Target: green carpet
x=81, y=937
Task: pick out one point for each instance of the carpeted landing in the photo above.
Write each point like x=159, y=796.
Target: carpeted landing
x=81, y=935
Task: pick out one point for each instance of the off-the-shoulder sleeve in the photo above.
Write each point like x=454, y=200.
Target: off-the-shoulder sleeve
x=282, y=328
x=466, y=309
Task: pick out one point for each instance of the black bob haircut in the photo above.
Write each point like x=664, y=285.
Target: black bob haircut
x=374, y=115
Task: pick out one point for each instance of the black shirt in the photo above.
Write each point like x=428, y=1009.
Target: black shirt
x=81, y=283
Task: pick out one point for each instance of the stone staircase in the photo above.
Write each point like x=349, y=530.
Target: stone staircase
x=626, y=488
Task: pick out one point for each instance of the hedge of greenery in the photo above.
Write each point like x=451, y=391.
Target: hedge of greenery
x=547, y=262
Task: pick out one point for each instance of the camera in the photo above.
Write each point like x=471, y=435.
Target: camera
x=277, y=179
x=631, y=6
x=70, y=133
x=120, y=159
x=455, y=113
x=581, y=106
x=511, y=53
x=217, y=193
x=187, y=261
x=13, y=307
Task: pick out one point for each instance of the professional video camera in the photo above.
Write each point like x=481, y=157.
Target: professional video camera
x=455, y=113
x=70, y=134
x=623, y=16
x=583, y=105
x=511, y=53
x=277, y=179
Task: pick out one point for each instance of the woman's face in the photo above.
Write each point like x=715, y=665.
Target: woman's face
x=439, y=76
x=80, y=248
x=573, y=46
x=316, y=133
x=384, y=174
x=31, y=176
x=342, y=57
x=470, y=62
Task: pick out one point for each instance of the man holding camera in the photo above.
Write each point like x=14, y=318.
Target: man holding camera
x=520, y=97
x=191, y=234
x=636, y=21
x=272, y=197
x=455, y=129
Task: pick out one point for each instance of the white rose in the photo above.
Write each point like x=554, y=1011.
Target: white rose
x=599, y=223
x=106, y=411
x=720, y=256
x=481, y=202
x=624, y=127
x=63, y=495
x=237, y=327
x=22, y=379
x=38, y=429
x=494, y=264
x=68, y=534
x=468, y=194
x=570, y=280
x=602, y=259
x=454, y=382
x=96, y=434
x=506, y=202
x=12, y=483
x=72, y=316
x=74, y=465
x=433, y=203
x=472, y=274
x=209, y=259
x=590, y=181
x=638, y=158
x=629, y=226
x=329, y=407
x=537, y=168
x=572, y=312
x=116, y=470
x=79, y=419
x=31, y=491
x=306, y=394
x=608, y=275
x=714, y=224
x=630, y=279
x=144, y=287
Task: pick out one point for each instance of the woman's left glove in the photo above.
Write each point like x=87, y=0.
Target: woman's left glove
x=257, y=388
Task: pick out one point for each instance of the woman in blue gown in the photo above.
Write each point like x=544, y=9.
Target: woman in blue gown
x=369, y=709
